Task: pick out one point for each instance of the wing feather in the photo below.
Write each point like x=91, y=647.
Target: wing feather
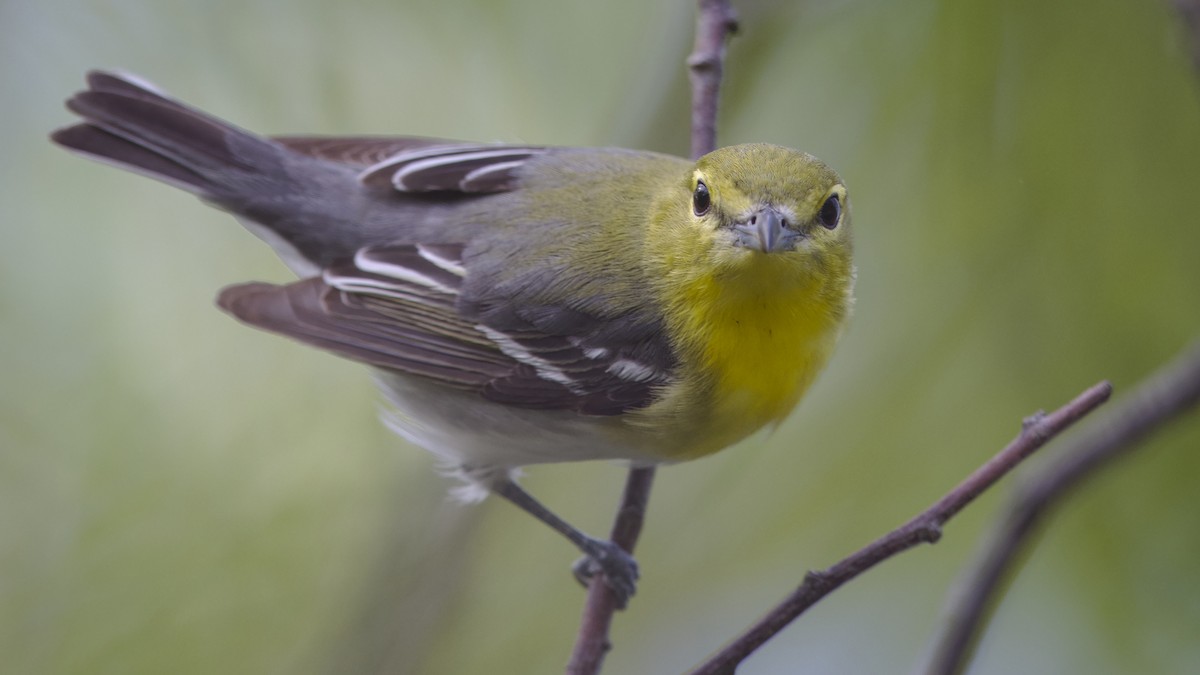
x=358, y=151
x=452, y=168
x=396, y=307
x=414, y=164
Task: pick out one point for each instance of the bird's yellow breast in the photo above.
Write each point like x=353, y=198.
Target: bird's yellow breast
x=759, y=337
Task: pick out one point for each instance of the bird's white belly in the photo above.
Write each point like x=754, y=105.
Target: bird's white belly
x=485, y=441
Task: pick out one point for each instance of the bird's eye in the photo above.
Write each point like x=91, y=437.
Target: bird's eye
x=701, y=200
x=831, y=212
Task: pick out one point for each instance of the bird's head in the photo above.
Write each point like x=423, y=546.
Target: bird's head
x=762, y=211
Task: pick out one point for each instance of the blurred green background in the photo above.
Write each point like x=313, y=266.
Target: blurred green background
x=181, y=494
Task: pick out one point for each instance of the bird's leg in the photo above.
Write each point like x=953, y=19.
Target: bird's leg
x=619, y=568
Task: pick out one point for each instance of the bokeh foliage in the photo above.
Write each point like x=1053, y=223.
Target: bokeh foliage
x=181, y=494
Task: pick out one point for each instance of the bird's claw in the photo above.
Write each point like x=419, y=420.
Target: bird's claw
x=619, y=568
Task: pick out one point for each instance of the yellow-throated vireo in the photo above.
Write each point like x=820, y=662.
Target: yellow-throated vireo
x=523, y=304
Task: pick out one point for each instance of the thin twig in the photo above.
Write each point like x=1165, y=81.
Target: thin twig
x=714, y=23
x=925, y=527
x=1172, y=391
x=591, y=644
x=1189, y=12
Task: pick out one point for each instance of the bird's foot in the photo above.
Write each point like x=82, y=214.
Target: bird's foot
x=619, y=568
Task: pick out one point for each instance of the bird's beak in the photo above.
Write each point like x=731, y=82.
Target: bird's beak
x=766, y=231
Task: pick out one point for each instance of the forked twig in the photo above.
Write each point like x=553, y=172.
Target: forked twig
x=925, y=527
x=1173, y=390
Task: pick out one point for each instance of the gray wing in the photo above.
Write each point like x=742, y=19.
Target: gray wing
x=396, y=303
x=396, y=308
x=326, y=197
x=128, y=120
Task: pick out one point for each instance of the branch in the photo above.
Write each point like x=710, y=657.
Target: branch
x=714, y=23
x=926, y=527
x=1189, y=12
x=1172, y=391
x=591, y=644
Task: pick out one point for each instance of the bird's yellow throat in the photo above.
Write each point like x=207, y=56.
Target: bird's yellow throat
x=762, y=332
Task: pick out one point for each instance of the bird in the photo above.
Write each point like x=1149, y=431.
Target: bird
x=522, y=304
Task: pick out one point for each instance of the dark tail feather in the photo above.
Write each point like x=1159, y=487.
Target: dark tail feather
x=129, y=123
